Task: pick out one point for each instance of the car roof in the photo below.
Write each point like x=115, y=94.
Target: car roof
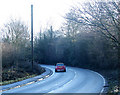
x=60, y=63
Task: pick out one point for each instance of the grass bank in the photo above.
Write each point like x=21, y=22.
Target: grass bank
x=112, y=77
x=20, y=72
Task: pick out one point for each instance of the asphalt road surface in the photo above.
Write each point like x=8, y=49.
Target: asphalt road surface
x=74, y=80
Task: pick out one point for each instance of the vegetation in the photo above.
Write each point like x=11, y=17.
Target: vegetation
x=16, y=52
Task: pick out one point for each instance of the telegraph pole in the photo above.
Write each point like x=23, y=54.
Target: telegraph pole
x=32, y=34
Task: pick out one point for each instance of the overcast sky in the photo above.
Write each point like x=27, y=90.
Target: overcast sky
x=46, y=12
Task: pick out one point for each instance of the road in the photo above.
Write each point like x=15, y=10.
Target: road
x=74, y=80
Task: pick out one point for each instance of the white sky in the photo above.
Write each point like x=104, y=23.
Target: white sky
x=46, y=12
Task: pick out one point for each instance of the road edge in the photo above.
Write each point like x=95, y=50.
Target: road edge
x=105, y=85
x=28, y=81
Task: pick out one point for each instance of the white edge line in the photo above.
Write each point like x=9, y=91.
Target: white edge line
x=104, y=81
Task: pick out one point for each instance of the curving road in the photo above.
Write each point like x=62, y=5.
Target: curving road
x=74, y=80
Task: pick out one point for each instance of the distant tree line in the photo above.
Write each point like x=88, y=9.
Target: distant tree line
x=89, y=38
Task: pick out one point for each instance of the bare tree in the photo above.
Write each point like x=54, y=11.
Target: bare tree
x=100, y=16
x=16, y=37
x=15, y=32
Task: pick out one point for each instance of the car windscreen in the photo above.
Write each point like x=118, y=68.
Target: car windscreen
x=60, y=64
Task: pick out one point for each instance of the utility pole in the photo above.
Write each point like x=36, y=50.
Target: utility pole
x=32, y=34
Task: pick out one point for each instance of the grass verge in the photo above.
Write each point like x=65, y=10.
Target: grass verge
x=113, y=80
x=17, y=80
x=20, y=72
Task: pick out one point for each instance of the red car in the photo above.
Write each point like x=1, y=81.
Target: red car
x=60, y=67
